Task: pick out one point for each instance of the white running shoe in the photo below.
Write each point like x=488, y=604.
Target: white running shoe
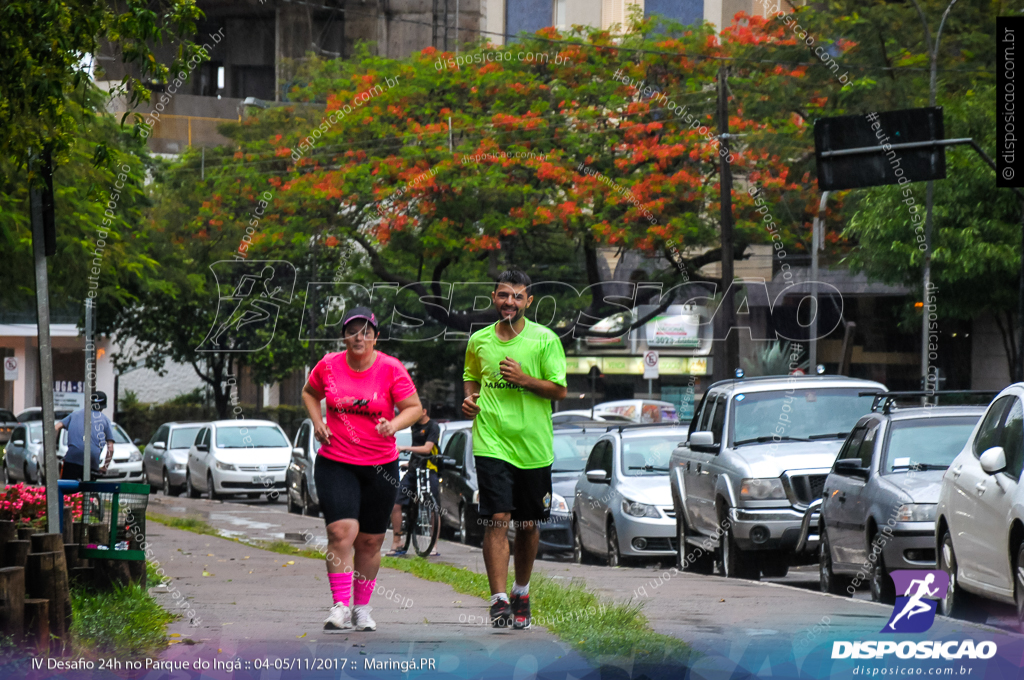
x=340, y=618
x=363, y=621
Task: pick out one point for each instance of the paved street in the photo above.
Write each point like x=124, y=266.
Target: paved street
x=705, y=611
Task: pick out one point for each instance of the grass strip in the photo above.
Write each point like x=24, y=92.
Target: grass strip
x=123, y=622
x=572, y=612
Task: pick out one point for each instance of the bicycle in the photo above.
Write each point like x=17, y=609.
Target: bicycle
x=421, y=518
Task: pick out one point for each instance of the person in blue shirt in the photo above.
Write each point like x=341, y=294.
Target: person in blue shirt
x=74, y=461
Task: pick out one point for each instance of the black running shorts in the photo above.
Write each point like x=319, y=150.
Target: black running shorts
x=361, y=492
x=506, y=488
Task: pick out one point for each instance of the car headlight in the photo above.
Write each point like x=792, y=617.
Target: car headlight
x=916, y=512
x=762, y=489
x=180, y=466
x=558, y=503
x=225, y=466
x=135, y=456
x=634, y=509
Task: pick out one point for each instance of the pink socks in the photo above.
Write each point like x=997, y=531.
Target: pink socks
x=341, y=587
x=364, y=589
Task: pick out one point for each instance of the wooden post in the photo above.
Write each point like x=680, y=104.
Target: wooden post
x=71, y=556
x=68, y=526
x=110, y=572
x=37, y=624
x=99, y=534
x=46, y=577
x=79, y=533
x=24, y=533
x=16, y=553
x=12, y=602
x=43, y=543
x=137, y=572
x=82, y=575
x=8, y=532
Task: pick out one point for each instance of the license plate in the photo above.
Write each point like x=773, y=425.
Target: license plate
x=263, y=480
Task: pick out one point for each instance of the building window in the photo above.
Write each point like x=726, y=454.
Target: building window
x=558, y=13
x=617, y=11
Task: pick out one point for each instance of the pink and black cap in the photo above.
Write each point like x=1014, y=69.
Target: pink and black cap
x=359, y=313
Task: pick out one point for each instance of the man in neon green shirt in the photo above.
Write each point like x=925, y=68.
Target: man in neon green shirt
x=514, y=369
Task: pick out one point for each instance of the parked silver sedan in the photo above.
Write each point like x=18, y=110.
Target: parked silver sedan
x=166, y=456
x=300, y=485
x=623, y=504
x=880, y=497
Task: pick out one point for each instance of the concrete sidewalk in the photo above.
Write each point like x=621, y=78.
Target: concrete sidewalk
x=252, y=604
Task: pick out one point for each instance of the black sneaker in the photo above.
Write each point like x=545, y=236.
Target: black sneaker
x=520, y=611
x=501, y=614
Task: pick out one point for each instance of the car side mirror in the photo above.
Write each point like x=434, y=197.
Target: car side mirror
x=202, y=447
x=137, y=441
x=850, y=467
x=299, y=451
x=704, y=438
x=160, y=445
x=598, y=477
x=18, y=442
x=449, y=463
x=993, y=460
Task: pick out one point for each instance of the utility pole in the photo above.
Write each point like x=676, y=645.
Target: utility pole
x=313, y=358
x=933, y=49
x=726, y=355
x=41, y=219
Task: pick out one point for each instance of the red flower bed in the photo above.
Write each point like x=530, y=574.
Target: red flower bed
x=26, y=505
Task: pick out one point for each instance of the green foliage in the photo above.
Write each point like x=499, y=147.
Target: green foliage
x=42, y=45
x=773, y=359
x=125, y=621
x=196, y=397
x=130, y=399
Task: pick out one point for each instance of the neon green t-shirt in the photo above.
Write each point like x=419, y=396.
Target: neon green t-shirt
x=514, y=424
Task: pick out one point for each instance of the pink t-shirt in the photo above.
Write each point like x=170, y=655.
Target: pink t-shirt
x=356, y=401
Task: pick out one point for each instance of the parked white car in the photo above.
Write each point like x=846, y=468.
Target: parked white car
x=238, y=457
x=126, y=466
x=979, y=522
x=640, y=410
x=586, y=416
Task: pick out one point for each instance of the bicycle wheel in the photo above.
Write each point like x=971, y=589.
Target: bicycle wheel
x=424, y=533
x=408, y=512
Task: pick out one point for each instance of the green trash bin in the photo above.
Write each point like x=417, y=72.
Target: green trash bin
x=122, y=508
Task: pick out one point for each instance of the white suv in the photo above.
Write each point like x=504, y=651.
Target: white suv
x=979, y=523
x=236, y=457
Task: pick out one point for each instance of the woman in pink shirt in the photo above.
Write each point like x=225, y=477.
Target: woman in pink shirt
x=356, y=469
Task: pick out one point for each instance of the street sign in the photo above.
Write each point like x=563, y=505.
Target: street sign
x=10, y=368
x=841, y=164
x=650, y=365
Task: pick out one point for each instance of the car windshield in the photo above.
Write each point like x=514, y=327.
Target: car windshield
x=645, y=456
x=183, y=437
x=797, y=415
x=572, y=450
x=120, y=436
x=258, y=437
x=926, y=444
x=35, y=432
x=403, y=439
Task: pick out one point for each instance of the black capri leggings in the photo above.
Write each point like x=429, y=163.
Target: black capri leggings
x=361, y=492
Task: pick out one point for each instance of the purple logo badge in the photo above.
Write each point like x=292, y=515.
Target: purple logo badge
x=919, y=591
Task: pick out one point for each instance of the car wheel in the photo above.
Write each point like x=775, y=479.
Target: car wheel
x=1018, y=586
x=614, y=556
x=737, y=563
x=882, y=587
x=309, y=508
x=580, y=555
x=24, y=472
x=168, y=489
x=190, y=489
x=274, y=496
x=7, y=475
x=211, y=491
x=463, y=526
x=291, y=505
x=828, y=580
x=691, y=558
x=958, y=602
x=253, y=496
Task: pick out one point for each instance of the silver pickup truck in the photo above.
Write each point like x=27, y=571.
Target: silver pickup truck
x=757, y=454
